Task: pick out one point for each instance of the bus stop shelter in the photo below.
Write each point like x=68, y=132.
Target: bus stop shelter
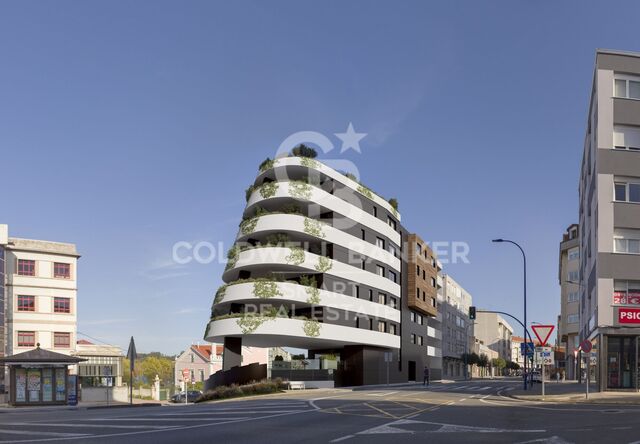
x=41, y=377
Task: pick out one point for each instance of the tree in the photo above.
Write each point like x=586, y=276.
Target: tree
x=483, y=362
x=153, y=365
x=304, y=151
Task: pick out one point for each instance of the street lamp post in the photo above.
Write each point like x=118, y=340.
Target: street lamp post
x=524, y=257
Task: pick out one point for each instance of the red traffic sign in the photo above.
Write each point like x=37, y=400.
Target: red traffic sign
x=185, y=374
x=542, y=332
x=586, y=346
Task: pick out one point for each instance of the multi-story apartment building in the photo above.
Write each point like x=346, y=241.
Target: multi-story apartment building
x=493, y=331
x=321, y=263
x=40, y=295
x=4, y=240
x=568, y=278
x=457, y=328
x=609, y=219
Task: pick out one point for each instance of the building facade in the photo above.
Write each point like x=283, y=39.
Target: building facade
x=40, y=293
x=494, y=332
x=457, y=328
x=102, y=365
x=569, y=320
x=609, y=219
x=321, y=263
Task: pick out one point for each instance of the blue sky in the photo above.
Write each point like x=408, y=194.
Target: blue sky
x=126, y=127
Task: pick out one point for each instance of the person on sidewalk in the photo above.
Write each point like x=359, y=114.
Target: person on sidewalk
x=425, y=374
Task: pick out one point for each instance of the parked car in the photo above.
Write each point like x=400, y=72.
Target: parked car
x=192, y=395
x=537, y=377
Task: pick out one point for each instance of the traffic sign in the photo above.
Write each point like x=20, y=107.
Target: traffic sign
x=545, y=355
x=586, y=346
x=529, y=346
x=542, y=332
x=185, y=374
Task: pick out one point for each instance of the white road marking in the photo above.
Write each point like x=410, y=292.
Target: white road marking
x=227, y=412
x=342, y=438
x=551, y=440
x=443, y=428
x=484, y=388
x=155, y=418
x=79, y=425
x=381, y=394
x=30, y=432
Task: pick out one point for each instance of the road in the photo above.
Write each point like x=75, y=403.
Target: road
x=474, y=411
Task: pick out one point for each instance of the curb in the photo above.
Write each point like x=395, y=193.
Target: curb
x=125, y=406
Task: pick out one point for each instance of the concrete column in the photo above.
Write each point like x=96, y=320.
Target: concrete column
x=232, y=354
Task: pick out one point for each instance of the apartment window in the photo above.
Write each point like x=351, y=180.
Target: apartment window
x=380, y=243
x=419, y=248
x=393, y=302
x=357, y=291
x=392, y=329
x=418, y=270
x=626, y=292
x=362, y=233
x=626, y=138
x=424, y=275
x=61, y=340
x=573, y=319
x=26, y=267
x=420, y=319
x=392, y=276
x=26, y=338
x=382, y=298
x=572, y=296
x=574, y=254
x=193, y=358
x=412, y=316
x=573, y=276
x=371, y=295
x=26, y=303
x=433, y=282
x=424, y=295
x=393, y=250
x=420, y=340
x=627, y=192
x=433, y=262
x=370, y=324
x=202, y=375
x=417, y=293
x=61, y=270
x=627, y=88
x=413, y=338
x=380, y=270
x=375, y=211
x=433, y=302
x=61, y=305
x=382, y=326
x=363, y=264
x=391, y=222
x=626, y=246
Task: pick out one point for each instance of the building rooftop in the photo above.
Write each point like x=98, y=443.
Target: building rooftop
x=42, y=246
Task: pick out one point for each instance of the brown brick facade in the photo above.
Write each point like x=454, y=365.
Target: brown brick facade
x=422, y=276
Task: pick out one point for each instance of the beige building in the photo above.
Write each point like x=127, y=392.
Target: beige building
x=495, y=333
x=103, y=366
x=40, y=294
x=568, y=278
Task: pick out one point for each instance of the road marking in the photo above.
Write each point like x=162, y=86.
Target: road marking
x=155, y=418
x=552, y=440
x=30, y=432
x=380, y=410
x=226, y=412
x=381, y=394
x=79, y=425
x=484, y=388
x=439, y=428
x=342, y=438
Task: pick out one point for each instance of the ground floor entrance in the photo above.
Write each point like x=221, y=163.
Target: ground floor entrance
x=622, y=362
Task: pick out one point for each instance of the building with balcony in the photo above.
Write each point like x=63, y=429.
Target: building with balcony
x=494, y=332
x=569, y=319
x=457, y=328
x=609, y=220
x=321, y=263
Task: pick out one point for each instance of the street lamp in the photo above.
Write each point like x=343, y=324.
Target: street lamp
x=524, y=257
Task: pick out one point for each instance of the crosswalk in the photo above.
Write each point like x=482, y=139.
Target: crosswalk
x=468, y=388
x=85, y=425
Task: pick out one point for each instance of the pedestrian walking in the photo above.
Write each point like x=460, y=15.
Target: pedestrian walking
x=425, y=374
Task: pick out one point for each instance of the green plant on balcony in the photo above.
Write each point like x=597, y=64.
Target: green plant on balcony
x=303, y=150
x=232, y=257
x=249, y=191
x=313, y=227
x=266, y=290
x=394, y=205
x=248, y=226
x=324, y=264
x=277, y=240
x=365, y=191
x=206, y=331
x=300, y=189
x=249, y=323
x=309, y=162
x=268, y=189
x=295, y=256
x=313, y=295
x=220, y=293
x=311, y=328
x=267, y=164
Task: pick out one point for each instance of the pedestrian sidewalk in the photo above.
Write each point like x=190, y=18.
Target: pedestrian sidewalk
x=572, y=391
x=4, y=408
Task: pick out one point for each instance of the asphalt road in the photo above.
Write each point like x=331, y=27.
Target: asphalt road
x=476, y=411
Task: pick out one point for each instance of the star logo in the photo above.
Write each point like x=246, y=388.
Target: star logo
x=350, y=139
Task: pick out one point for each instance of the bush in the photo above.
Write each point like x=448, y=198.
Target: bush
x=304, y=151
x=394, y=203
x=235, y=391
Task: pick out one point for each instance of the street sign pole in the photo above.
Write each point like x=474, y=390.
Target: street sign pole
x=542, y=373
x=587, y=378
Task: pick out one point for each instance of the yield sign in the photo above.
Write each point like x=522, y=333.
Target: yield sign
x=542, y=332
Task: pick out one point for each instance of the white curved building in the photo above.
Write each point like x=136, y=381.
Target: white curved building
x=317, y=264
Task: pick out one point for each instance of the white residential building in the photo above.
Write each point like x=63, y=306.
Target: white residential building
x=493, y=331
x=40, y=294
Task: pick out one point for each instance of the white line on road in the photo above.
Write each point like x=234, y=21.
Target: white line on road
x=342, y=438
x=381, y=394
x=226, y=412
x=80, y=425
x=30, y=432
x=155, y=418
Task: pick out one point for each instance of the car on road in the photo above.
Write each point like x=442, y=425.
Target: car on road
x=537, y=377
x=192, y=395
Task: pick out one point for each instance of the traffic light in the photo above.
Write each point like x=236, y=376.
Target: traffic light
x=472, y=313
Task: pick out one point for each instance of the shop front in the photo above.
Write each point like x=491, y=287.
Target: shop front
x=41, y=377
